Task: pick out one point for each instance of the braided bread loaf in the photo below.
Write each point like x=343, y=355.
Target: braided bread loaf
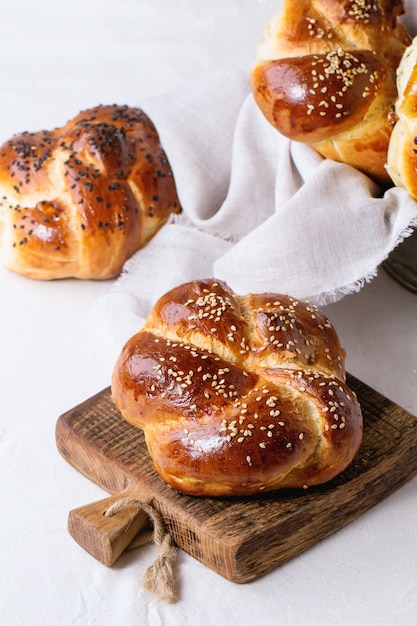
x=402, y=152
x=325, y=75
x=80, y=200
x=238, y=395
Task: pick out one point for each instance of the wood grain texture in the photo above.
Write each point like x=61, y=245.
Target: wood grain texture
x=243, y=538
x=105, y=538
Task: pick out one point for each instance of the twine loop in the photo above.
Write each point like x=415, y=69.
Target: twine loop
x=159, y=577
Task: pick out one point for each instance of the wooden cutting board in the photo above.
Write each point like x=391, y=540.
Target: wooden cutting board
x=240, y=539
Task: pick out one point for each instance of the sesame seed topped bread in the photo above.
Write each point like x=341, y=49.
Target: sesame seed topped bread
x=79, y=200
x=325, y=75
x=238, y=395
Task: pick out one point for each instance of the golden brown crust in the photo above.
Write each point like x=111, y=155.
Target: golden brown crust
x=238, y=395
x=336, y=106
x=79, y=200
x=325, y=75
x=402, y=153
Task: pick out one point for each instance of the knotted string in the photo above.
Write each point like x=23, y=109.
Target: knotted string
x=159, y=577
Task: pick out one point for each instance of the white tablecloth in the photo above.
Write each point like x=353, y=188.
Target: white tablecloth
x=57, y=58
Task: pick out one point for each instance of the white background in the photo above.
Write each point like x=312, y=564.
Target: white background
x=57, y=58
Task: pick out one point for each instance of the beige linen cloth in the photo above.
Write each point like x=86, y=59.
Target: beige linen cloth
x=259, y=211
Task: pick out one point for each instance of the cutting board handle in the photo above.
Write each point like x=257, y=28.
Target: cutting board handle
x=106, y=537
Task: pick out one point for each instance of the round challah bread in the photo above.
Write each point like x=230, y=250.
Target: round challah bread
x=79, y=200
x=325, y=75
x=402, y=152
x=237, y=395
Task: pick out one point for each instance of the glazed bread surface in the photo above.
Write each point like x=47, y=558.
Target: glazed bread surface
x=79, y=200
x=238, y=395
x=402, y=152
x=325, y=75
